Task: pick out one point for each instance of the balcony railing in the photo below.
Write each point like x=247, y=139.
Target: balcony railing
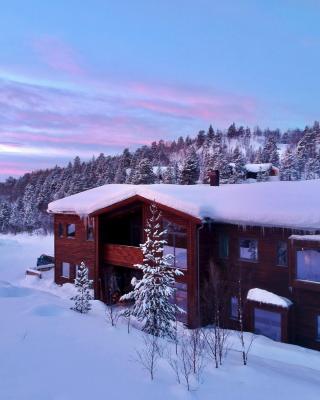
x=121, y=255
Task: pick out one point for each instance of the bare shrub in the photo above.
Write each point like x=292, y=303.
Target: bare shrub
x=148, y=356
x=113, y=315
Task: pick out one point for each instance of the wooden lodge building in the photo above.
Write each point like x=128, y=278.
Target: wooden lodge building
x=268, y=234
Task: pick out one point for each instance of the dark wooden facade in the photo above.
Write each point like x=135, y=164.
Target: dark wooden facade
x=298, y=321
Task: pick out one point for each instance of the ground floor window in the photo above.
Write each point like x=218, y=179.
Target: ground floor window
x=267, y=323
x=65, y=273
x=181, y=300
x=234, y=308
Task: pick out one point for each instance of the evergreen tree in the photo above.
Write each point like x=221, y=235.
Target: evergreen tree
x=168, y=175
x=83, y=285
x=288, y=170
x=153, y=294
x=270, y=152
x=189, y=173
x=143, y=175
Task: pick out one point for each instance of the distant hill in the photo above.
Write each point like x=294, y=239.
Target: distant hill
x=296, y=153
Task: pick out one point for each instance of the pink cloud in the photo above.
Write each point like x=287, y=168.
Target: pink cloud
x=58, y=55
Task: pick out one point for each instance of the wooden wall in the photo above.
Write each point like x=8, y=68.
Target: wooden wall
x=72, y=250
x=263, y=273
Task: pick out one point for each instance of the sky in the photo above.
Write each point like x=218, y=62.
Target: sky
x=85, y=77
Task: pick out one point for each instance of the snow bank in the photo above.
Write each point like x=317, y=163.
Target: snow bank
x=307, y=238
x=282, y=204
x=263, y=296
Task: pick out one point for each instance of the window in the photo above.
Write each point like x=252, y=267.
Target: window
x=71, y=230
x=249, y=249
x=267, y=323
x=223, y=246
x=176, y=237
x=282, y=254
x=308, y=265
x=60, y=230
x=318, y=328
x=181, y=300
x=89, y=228
x=65, y=270
x=234, y=308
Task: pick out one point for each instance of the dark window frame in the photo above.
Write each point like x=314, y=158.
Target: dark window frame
x=256, y=260
x=89, y=229
x=234, y=318
x=61, y=231
x=69, y=236
x=223, y=236
x=69, y=275
x=167, y=223
x=277, y=255
x=304, y=281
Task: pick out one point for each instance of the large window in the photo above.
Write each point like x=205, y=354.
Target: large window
x=176, y=237
x=249, y=249
x=65, y=273
x=282, y=254
x=267, y=323
x=234, y=308
x=71, y=230
x=308, y=265
x=223, y=246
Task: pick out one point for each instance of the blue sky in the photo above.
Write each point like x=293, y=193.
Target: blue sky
x=96, y=76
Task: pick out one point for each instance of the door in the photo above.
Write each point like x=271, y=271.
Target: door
x=267, y=323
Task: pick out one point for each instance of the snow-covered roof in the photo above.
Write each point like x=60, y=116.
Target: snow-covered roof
x=265, y=297
x=255, y=168
x=283, y=204
x=306, y=238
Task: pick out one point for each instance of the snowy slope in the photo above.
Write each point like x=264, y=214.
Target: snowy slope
x=283, y=204
x=49, y=352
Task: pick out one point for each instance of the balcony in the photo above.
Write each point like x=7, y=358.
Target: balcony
x=125, y=256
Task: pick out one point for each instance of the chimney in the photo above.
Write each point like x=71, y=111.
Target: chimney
x=214, y=177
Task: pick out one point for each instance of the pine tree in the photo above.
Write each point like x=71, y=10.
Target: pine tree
x=288, y=170
x=143, y=175
x=189, y=173
x=168, y=175
x=153, y=294
x=83, y=285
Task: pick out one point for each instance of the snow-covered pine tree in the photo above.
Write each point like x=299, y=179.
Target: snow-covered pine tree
x=143, y=175
x=153, y=294
x=168, y=175
x=189, y=173
x=288, y=170
x=83, y=285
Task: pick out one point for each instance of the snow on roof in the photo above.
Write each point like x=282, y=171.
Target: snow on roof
x=255, y=168
x=307, y=238
x=263, y=296
x=292, y=204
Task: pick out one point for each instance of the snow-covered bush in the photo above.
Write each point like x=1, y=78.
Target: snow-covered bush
x=83, y=285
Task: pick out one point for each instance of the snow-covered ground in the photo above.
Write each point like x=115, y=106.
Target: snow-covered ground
x=48, y=352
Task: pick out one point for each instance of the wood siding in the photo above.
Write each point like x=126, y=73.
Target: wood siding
x=264, y=273
x=203, y=247
x=72, y=250
x=126, y=256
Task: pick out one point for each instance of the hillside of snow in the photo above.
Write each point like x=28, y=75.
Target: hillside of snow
x=49, y=352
